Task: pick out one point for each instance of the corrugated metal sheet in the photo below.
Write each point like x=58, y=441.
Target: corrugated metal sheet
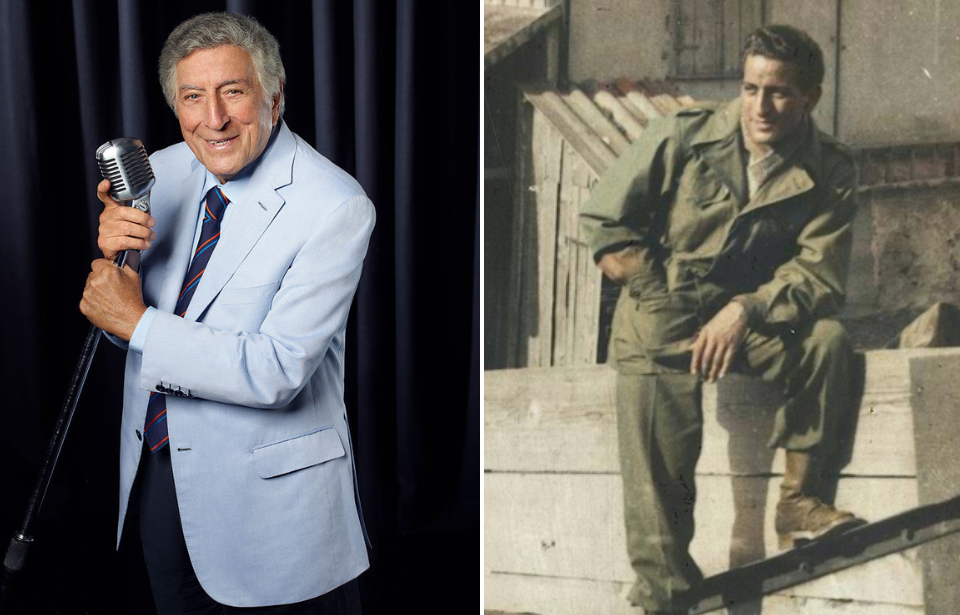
x=600, y=120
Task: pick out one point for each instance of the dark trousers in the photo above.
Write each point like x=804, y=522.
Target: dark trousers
x=175, y=588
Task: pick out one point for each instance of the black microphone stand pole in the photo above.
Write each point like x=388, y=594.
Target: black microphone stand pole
x=22, y=540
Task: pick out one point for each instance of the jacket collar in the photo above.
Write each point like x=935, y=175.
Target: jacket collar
x=720, y=143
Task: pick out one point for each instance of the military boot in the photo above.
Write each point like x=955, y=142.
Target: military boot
x=801, y=515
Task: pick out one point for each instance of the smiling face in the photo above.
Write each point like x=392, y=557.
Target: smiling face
x=773, y=106
x=225, y=115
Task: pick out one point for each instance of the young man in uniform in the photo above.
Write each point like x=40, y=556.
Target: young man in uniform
x=729, y=227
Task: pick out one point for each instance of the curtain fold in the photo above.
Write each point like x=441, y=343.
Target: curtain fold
x=387, y=91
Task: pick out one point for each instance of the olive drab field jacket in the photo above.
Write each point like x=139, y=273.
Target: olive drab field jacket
x=679, y=195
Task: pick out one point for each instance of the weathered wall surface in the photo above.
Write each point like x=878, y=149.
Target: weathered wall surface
x=915, y=246
x=899, y=71
x=618, y=38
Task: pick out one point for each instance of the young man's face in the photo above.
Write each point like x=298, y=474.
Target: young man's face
x=225, y=115
x=773, y=104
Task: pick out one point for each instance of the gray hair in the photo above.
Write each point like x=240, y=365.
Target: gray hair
x=210, y=30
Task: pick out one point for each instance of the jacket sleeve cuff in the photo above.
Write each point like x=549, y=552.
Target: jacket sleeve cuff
x=139, y=337
x=756, y=309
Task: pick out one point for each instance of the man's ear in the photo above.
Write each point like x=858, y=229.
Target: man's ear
x=276, y=103
x=812, y=97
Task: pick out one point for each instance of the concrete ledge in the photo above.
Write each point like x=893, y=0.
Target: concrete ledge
x=553, y=516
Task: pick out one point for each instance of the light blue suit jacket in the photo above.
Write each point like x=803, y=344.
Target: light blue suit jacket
x=261, y=450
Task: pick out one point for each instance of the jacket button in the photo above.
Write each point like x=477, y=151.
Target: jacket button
x=139, y=435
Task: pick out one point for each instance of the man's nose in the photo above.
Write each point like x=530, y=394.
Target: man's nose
x=765, y=103
x=216, y=115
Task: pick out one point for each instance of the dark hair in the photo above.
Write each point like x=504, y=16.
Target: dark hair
x=787, y=44
x=211, y=30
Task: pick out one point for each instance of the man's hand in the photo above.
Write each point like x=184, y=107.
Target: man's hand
x=716, y=344
x=620, y=266
x=122, y=228
x=113, y=299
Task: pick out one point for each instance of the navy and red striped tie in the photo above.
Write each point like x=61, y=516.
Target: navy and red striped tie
x=155, y=427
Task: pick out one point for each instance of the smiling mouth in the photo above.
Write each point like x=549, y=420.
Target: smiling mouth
x=220, y=143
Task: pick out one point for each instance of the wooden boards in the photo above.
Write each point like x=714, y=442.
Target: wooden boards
x=554, y=541
x=565, y=419
x=566, y=140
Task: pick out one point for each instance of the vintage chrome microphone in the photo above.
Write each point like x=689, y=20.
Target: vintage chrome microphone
x=124, y=162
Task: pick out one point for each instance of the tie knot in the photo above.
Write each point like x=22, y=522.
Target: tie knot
x=216, y=204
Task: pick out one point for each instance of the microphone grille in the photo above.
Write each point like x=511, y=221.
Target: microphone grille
x=125, y=163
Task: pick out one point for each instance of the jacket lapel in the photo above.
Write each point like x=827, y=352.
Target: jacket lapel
x=796, y=176
x=182, y=227
x=248, y=219
x=786, y=184
x=725, y=160
x=719, y=145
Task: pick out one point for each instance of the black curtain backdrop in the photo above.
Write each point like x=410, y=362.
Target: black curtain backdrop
x=388, y=91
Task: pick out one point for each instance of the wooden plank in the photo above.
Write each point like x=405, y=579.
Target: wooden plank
x=629, y=105
x=565, y=420
x=536, y=410
x=507, y=28
x=547, y=210
x=593, y=276
x=597, y=154
x=662, y=100
x=626, y=121
x=684, y=99
x=596, y=121
x=561, y=279
x=707, y=41
x=525, y=201
x=512, y=593
x=570, y=525
x=733, y=35
x=581, y=354
x=633, y=94
x=572, y=203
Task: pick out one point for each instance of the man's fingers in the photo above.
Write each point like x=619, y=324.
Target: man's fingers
x=727, y=361
x=705, y=359
x=709, y=360
x=111, y=216
x=718, y=361
x=697, y=353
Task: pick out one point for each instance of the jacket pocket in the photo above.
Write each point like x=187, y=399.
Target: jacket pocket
x=297, y=453
x=250, y=294
x=710, y=194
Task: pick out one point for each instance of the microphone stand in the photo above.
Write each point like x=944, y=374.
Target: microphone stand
x=22, y=540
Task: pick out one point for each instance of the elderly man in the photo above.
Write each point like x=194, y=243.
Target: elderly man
x=730, y=229
x=235, y=448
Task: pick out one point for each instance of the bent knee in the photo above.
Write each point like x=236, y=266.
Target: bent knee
x=829, y=337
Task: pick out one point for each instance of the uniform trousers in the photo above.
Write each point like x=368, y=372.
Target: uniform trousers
x=660, y=421
x=174, y=584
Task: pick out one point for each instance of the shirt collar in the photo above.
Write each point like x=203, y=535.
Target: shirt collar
x=233, y=189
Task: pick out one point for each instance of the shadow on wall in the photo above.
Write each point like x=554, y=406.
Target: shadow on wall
x=746, y=410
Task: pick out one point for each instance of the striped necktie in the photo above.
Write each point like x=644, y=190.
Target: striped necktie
x=155, y=426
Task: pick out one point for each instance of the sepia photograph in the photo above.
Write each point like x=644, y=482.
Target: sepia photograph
x=721, y=327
